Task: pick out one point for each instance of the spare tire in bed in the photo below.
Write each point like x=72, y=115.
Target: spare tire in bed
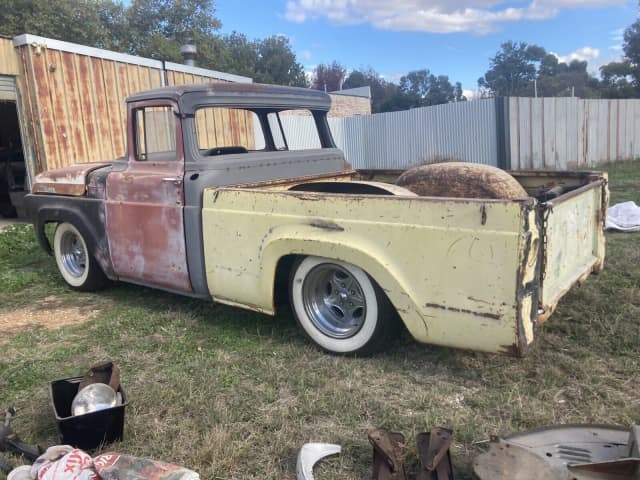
x=460, y=179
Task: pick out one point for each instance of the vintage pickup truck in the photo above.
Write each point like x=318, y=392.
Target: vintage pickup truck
x=237, y=193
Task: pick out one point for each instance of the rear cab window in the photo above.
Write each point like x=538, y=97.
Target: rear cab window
x=224, y=131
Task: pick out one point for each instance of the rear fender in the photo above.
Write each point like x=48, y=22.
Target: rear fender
x=375, y=264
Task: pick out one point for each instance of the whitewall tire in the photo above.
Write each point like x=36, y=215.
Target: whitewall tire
x=75, y=263
x=339, y=307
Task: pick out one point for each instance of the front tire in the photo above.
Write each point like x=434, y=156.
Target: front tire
x=339, y=307
x=76, y=265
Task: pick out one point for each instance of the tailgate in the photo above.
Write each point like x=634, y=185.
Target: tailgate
x=573, y=239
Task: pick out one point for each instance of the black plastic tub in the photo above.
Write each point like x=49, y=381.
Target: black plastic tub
x=90, y=430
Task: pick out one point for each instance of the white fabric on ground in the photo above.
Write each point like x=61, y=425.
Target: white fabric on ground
x=624, y=216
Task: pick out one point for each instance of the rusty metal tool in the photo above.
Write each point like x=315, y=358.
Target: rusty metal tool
x=434, y=456
x=10, y=442
x=388, y=454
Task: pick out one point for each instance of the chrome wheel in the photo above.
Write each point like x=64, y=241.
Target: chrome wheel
x=334, y=301
x=73, y=253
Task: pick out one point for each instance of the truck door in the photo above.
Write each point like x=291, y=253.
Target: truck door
x=145, y=226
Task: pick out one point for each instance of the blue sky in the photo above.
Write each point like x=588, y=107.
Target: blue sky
x=451, y=37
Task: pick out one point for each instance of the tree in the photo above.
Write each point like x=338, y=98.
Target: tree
x=90, y=22
x=516, y=67
x=425, y=89
x=158, y=28
x=622, y=79
x=513, y=69
x=329, y=77
x=278, y=64
x=155, y=29
x=385, y=96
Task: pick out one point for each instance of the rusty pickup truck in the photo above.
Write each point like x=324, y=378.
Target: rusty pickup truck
x=238, y=194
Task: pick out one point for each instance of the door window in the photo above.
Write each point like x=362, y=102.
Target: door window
x=155, y=134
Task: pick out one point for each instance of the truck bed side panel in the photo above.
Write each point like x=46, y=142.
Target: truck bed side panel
x=450, y=267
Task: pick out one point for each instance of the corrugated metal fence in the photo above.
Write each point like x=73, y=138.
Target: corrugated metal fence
x=465, y=130
x=570, y=133
x=514, y=133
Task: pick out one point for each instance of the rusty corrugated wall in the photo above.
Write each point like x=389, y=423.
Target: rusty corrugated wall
x=8, y=58
x=220, y=126
x=74, y=97
x=76, y=100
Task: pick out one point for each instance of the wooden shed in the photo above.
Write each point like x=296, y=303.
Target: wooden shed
x=63, y=103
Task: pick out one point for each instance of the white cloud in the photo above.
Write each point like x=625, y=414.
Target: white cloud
x=306, y=55
x=393, y=77
x=471, y=94
x=438, y=16
x=584, y=54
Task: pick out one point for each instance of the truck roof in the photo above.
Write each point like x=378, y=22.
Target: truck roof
x=193, y=96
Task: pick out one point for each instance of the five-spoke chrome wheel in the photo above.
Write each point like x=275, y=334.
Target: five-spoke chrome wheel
x=73, y=253
x=75, y=263
x=339, y=307
x=334, y=300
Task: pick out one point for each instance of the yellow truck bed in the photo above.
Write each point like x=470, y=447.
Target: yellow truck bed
x=466, y=273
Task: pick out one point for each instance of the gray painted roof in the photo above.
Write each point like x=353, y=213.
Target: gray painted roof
x=193, y=96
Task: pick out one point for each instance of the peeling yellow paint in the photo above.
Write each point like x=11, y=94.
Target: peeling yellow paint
x=463, y=273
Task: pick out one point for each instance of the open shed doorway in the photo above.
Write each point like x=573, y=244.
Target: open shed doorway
x=13, y=172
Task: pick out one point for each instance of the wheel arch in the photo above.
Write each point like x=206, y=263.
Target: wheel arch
x=86, y=214
x=279, y=256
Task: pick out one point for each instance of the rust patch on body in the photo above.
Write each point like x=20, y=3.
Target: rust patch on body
x=326, y=225
x=66, y=181
x=493, y=316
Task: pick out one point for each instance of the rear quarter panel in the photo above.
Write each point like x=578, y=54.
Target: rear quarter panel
x=453, y=268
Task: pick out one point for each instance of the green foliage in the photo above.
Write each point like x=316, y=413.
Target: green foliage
x=518, y=69
x=417, y=89
x=277, y=63
x=89, y=22
x=329, y=77
x=155, y=29
x=622, y=79
x=512, y=69
x=423, y=89
x=384, y=95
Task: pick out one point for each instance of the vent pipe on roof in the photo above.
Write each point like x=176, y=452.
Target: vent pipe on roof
x=189, y=52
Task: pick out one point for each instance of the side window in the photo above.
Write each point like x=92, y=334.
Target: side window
x=155, y=134
x=223, y=131
x=294, y=130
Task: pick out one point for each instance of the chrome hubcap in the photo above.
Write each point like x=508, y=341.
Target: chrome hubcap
x=334, y=301
x=74, y=256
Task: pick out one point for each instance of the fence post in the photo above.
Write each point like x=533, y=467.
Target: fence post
x=503, y=133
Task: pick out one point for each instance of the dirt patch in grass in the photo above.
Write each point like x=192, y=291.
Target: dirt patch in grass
x=53, y=311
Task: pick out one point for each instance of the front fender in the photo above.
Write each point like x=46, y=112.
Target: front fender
x=86, y=214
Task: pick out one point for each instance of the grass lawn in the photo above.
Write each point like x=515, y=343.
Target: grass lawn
x=234, y=395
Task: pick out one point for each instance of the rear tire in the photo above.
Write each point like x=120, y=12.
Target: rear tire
x=76, y=265
x=340, y=308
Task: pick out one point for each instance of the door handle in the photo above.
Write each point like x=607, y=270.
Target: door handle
x=174, y=180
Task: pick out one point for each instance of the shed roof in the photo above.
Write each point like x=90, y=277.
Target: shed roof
x=193, y=96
